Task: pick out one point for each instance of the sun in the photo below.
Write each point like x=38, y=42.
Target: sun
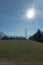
x=30, y=13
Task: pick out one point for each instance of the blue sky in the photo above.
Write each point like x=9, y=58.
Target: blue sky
x=11, y=17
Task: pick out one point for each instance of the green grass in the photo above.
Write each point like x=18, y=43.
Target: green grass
x=12, y=49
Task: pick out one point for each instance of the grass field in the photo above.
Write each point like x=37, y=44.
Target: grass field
x=21, y=50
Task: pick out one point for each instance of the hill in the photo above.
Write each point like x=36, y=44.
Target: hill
x=2, y=35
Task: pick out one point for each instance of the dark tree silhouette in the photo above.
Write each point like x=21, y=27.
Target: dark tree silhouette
x=37, y=36
x=5, y=38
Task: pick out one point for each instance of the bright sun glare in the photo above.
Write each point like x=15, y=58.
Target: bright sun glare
x=30, y=13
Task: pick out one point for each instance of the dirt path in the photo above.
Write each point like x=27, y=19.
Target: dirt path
x=19, y=62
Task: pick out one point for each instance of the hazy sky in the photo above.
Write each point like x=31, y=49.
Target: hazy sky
x=13, y=20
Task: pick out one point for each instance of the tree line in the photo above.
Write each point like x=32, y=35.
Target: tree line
x=38, y=36
x=13, y=38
